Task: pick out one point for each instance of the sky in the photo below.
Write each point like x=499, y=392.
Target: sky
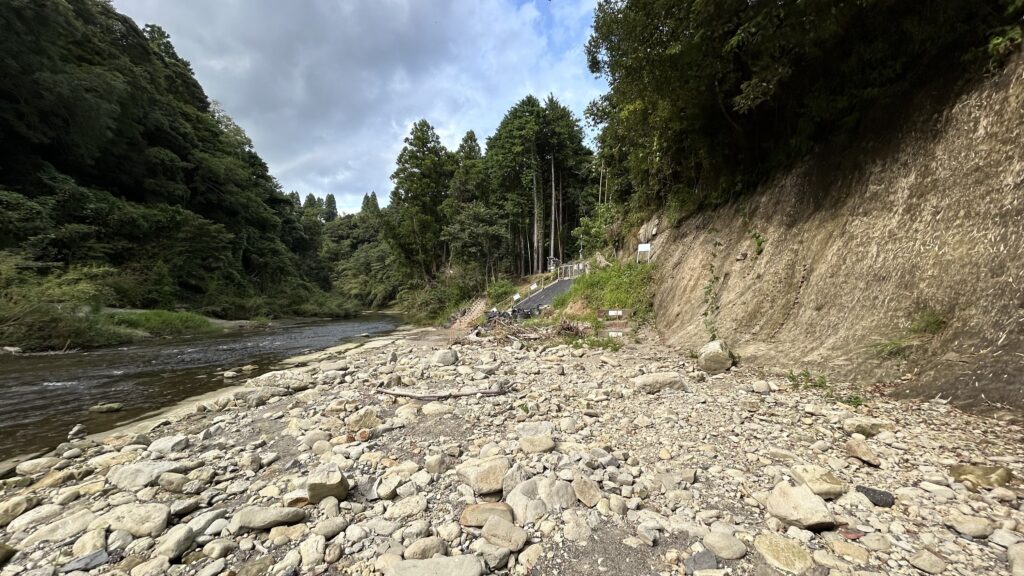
x=328, y=89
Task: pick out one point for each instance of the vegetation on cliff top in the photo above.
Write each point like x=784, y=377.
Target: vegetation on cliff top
x=709, y=98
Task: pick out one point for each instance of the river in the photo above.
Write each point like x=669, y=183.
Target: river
x=43, y=396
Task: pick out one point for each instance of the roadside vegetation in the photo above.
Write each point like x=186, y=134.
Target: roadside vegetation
x=616, y=286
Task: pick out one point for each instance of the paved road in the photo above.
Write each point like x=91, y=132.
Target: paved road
x=546, y=296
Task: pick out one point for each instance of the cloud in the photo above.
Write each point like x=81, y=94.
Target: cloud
x=327, y=89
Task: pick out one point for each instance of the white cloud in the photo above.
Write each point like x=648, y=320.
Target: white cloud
x=327, y=89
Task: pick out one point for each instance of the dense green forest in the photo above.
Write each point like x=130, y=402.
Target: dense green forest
x=707, y=99
x=112, y=156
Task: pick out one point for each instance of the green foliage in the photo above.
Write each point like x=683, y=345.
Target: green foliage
x=500, y=291
x=927, y=322
x=114, y=157
x=612, y=344
x=711, y=305
x=595, y=231
x=707, y=99
x=759, y=242
x=163, y=322
x=58, y=310
x=434, y=303
x=615, y=286
x=893, y=349
x=804, y=379
x=854, y=400
x=458, y=221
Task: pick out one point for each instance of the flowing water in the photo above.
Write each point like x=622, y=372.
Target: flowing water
x=43, y=396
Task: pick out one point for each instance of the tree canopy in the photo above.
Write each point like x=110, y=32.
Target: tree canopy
x=708, y=98
x=112, y=154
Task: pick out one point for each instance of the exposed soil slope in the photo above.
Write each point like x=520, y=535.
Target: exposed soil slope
x=929, y=223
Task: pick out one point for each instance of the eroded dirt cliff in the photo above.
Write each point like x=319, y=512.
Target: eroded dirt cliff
x=898, y=264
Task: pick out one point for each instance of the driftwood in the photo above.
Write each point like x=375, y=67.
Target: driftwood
x=431, y=396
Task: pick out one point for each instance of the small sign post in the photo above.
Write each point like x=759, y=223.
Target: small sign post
x=643, y=249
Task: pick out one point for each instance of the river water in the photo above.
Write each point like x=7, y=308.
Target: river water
x=43, y=396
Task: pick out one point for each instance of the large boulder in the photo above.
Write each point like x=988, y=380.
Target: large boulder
x=800, y=507
x=259, y=518
x=16, y=506
x=819, y=480
x=134, y=477
x=715, y=357
x=865, y=426
x=501, y=532
x=446, y=357
x=139, y=519
x=364, y=418
x=658, y=381
x=476, y=515
x=36, y=466
x=468, y=565
x=68, y=527
x=169, y=444
x=782, y=553
x=484, y=475
x=326, y=481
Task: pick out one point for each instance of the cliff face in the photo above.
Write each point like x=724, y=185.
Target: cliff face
x=900, y=263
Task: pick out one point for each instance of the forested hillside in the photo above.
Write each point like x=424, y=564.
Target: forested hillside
x=112, y=158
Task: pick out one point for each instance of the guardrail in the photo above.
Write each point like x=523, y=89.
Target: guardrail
x=562, y=271
x=572, y=270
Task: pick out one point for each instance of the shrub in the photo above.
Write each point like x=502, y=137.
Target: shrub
x=500, y=291
x=163, y=322
x=616, y=286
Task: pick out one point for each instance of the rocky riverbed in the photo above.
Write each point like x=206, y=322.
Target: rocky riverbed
x=408, y=457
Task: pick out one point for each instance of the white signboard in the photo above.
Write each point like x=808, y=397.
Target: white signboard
x=615, y=312
x=533, y=286
x=643, y=248
x=615, y=334
x=516, y=297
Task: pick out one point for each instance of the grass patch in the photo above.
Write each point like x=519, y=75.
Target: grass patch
x=759, y=242
x=854, y=400
x=928, y=322
x=804, y=379
x=613, y=344
x=163, y=322
x=616, y=286
x=925, y=324
x=894, y=349
x=260, y=321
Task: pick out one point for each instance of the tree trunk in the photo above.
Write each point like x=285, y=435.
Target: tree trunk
x=551, y=250
x=538, y=225
x=561, y=220
x=600, y=182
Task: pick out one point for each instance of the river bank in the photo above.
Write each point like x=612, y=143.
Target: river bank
x=408, y=455
x=44, y=396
